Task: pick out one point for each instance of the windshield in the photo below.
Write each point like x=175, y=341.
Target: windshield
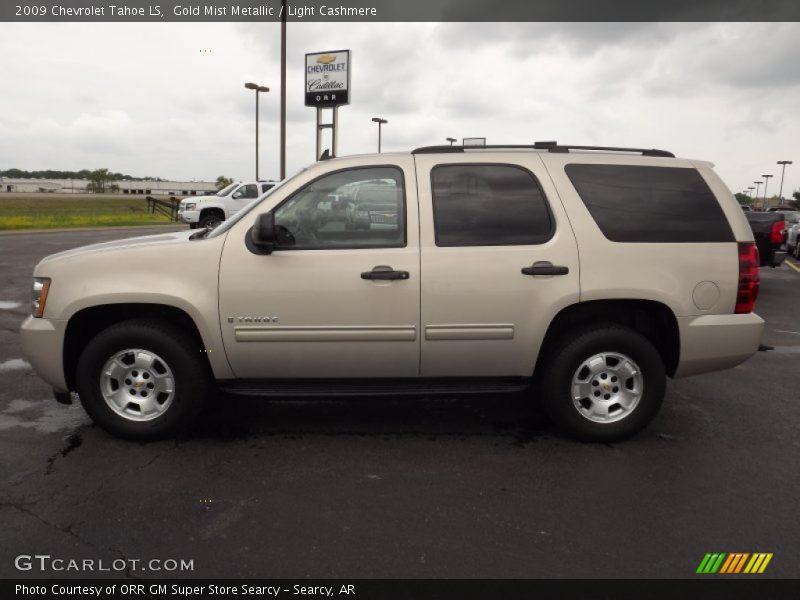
x=226, y=225
x=227, y=189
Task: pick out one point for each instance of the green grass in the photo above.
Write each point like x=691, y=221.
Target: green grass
x=48, y=211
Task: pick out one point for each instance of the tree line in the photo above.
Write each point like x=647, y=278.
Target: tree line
x=744, y=199
x=82, y=174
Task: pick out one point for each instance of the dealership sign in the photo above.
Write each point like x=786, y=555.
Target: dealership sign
x=328, y=78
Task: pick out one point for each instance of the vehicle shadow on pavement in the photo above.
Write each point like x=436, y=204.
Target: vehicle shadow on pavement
x=514, y=416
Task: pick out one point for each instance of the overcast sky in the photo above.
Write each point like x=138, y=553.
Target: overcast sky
x=143, y=99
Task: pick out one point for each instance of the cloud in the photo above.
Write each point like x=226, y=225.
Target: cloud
x=143, y=99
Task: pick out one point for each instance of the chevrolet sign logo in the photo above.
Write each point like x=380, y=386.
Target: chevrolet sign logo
x=326, y=59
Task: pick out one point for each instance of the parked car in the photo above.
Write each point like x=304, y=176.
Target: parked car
x=781, y=209
x=791, y=218
x=793, y=237
x=746, y=208
x=769, y=231
x=210, y=211
x=583, y=275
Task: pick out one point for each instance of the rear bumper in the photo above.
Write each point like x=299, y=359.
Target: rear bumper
x=717, y=342
x=778, y=256
x=42, y=343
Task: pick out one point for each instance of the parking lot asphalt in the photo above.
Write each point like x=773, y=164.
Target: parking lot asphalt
x=405, y=488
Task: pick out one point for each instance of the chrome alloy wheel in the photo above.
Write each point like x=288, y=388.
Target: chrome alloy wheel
x=137, y=384
x=607, y=387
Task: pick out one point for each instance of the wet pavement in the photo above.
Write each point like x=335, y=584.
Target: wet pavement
x=404, y=488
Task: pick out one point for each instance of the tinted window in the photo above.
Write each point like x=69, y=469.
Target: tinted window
x=355, y=208
x=488, y=205
x=650, y=204
x=246, y=192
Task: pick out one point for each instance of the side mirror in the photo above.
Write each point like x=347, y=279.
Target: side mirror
x=262, y=234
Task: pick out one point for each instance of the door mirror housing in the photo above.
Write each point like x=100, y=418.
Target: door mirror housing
x=262, y=234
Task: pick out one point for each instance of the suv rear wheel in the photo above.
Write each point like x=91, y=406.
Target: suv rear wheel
x=143, y=379
x=603, y=384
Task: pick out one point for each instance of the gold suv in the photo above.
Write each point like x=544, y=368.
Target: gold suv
x=584, y=274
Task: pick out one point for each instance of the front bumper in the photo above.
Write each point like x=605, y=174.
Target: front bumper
x=717, y=342
x=189, y=216
x=42, y=343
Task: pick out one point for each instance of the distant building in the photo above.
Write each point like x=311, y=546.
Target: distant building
x=78, y=186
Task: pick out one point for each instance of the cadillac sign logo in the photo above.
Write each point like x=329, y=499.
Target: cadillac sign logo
x=328, y=78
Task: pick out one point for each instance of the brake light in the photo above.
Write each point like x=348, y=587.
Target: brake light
x=776, y=233
x=749, y=278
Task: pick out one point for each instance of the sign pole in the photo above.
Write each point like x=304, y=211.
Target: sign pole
x=335, y=134
x=283, y=92
x=319, y=134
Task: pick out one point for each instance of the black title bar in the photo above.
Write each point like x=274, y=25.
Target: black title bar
x=400, y=10
x=705, y=587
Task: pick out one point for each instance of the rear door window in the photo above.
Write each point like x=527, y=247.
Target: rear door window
x=633, y=203
x=488, y=205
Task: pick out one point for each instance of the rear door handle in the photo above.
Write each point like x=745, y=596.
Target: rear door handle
x=544, y=267
x=384, y=273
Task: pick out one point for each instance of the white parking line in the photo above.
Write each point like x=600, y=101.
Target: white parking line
x=14, y=364
x=8, y=305
x=787, y=331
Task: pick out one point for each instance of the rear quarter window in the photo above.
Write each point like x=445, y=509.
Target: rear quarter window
x=632, y=203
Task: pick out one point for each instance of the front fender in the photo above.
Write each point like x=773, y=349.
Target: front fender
x=182, y=275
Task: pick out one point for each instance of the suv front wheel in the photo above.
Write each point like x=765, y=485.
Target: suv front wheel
x=143, y=379
x=603, y=384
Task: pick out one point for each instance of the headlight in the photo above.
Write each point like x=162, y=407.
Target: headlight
x=41, y=285
x=190, y=205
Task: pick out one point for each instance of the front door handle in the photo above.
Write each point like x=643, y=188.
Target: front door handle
x=384, y=273
x=545, y=267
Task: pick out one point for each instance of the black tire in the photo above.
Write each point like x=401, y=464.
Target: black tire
x=193, y=225
x=561, y=365
x=211, y=220
x=193, y=383
x=797, y=248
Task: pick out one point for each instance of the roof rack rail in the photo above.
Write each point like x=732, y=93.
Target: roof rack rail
x=549, y=146
x=556, y=147
x=436, y=149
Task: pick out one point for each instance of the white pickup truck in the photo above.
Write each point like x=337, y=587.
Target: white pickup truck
x=210, y=211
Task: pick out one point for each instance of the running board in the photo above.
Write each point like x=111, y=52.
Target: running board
x=374, y=387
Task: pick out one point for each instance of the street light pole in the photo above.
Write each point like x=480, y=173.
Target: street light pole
x=783, y=164
x=766, y=183
x=451, y=140
x=257, y=88
x=758, y=185
x=380, y=122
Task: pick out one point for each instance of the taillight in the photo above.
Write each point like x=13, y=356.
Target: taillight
x=776, y=233
x=749, y=278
